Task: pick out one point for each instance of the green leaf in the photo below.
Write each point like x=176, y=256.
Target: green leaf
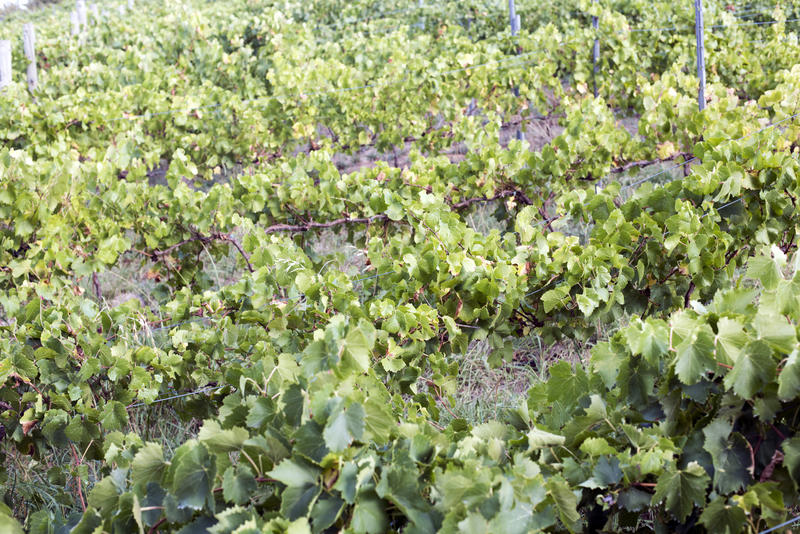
x=596, y=447
x=565, y=500
x=193, y=471
x=695, y=355
x=399, y=483
x=238, y=484
x=730, y=456
x=765, y=498
x=148, y=464
x=606, y=362
x=650, y=339
x=293, y=402
x=88, y=524
x=10, y=525
x=359, y=343
x=754, y=368
x=721, y=517
x=634, y=500
x=565, y=385
x=104, y=495
x=369, y=516
x=309, y=442
x=765, y=270
x=776, y=330
x=379, y=422
x=296, y=501
x=587, y=304
x=606, y=473
x=220, y=441
x=343, y=427
x=325, y=511
x=230, y=519
x=201, y=525
x=114, y=416
x=731, y=339
x=261, y=412
x=791, y=459
x=295, y=472
x=789, y=378
x=538, y=439
x=395, y=211
x=299, y=526
x=680, y=490
x=555, y=297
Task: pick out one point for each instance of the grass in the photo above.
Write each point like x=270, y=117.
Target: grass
x=135, y=278
x=485, y=393
x=61, y=480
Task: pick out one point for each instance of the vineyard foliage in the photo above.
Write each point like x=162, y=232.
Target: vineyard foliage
x=317, y=385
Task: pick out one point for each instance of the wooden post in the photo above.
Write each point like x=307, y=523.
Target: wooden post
x=29, y=46
x=701, y=57
x=76, y=23
x=5, y=63
x=595, y=53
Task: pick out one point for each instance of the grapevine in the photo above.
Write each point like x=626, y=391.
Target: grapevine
x=216, y=149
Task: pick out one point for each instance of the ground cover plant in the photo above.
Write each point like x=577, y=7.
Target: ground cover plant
x=281, y=266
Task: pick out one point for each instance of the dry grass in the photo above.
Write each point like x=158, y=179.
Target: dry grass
x=61, y=480
x=484, y=393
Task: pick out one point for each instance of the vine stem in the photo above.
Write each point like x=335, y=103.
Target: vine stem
x=157, y=524
x=78, y=479
x=312, y=225
x=260, y=480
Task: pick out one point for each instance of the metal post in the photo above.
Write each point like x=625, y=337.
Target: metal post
x=83, y=17
x=515, y=24
x=5, y=63
x=76, y=23
x=29, y=41
x=29, y=47
x=701, y=59
x=595, y=53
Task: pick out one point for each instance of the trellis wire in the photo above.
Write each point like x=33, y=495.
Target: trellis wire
x=204, y=389
x=784, y=524
x=713, y=26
